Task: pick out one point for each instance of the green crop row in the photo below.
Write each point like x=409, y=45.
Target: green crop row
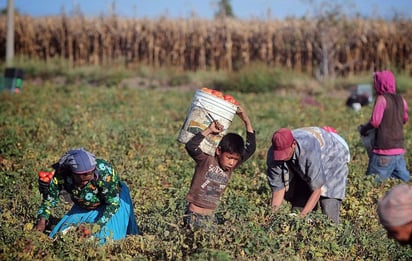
x=136, y=129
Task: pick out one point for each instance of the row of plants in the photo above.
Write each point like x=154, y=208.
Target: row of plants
x=255, y=78
x=136, y=129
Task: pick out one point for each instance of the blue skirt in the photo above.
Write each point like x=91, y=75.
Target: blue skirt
x=122, y=223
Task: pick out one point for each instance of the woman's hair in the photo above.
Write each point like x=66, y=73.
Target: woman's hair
x=232, y=143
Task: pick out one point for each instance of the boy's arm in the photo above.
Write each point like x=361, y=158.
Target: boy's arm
x=245, y=118
x=192, y=146
x=250, y=147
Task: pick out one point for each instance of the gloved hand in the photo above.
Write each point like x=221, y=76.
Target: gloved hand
x=43, y=187
x=363, y=129
x=44, y=182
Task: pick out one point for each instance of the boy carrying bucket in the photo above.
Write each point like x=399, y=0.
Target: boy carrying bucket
x=212, y=173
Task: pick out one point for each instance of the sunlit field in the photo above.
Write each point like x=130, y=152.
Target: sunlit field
x=136, y=129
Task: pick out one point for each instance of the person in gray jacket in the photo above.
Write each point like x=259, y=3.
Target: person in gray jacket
x=306, y=166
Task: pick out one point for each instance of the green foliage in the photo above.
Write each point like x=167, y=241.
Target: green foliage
x=136, y=129
x=258, y=78
x=63, y=73
x=403, y=83
x=224, y=9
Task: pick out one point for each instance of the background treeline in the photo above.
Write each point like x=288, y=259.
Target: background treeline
x=325, y=46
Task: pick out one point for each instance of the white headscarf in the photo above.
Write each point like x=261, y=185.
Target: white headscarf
x=395, y=208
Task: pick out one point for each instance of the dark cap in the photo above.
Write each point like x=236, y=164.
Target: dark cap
x=282, y=141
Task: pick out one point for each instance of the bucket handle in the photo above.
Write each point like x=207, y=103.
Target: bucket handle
x=205, y=111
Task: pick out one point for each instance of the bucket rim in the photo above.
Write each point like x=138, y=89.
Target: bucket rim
x=228, y=104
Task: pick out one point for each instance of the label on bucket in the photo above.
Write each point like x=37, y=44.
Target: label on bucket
x=204, y=109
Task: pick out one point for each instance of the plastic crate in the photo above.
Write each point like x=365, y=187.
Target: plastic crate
x=13, y=79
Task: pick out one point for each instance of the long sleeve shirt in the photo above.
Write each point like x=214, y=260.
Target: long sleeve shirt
x=102, y=190
x=210, y=180
x=376, y=119
x=320, y=160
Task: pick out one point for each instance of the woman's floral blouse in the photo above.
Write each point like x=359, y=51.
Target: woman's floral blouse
x=102, y=190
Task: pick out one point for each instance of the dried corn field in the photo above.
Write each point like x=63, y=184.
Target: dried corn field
x=313, y=46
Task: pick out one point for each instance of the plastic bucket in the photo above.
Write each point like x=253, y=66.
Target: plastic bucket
x=13, y=79
x=204, y=109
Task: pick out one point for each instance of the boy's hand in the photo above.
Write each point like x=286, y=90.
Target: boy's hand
x=242, y=114
x=215, y=127
x=245, y=118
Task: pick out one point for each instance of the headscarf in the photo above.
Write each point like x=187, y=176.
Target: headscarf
x=78, y=161
x=395, y=208
x=384, y=82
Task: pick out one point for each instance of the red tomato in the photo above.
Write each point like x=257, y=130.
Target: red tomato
x=45, y=179
x=42, y=174
x=218, y=94
x=228, y=97
x=86, y=232
x=50, y=174
x=207, y=90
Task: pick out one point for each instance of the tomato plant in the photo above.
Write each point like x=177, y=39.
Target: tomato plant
x=136, y=130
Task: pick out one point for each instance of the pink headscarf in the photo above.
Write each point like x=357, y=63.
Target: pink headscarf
x=384, y=82
x=395, y=208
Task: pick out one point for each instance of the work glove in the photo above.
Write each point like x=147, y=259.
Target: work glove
x=363, y=129
x=44, y=182
x=43, y=188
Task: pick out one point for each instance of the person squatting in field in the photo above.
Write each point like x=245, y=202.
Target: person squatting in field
x=389, y=114
x=395, y=213
x=306, y=166
x=99, y=196
x=212, y=173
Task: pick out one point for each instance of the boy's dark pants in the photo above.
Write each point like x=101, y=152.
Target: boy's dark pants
x=195, y=221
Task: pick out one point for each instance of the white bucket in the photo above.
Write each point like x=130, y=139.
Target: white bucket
x=204, y=109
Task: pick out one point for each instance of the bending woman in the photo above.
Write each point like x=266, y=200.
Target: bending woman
x=99, y=197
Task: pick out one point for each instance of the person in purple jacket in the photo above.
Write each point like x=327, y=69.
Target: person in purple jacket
x=389, y=114
x=212, y=173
